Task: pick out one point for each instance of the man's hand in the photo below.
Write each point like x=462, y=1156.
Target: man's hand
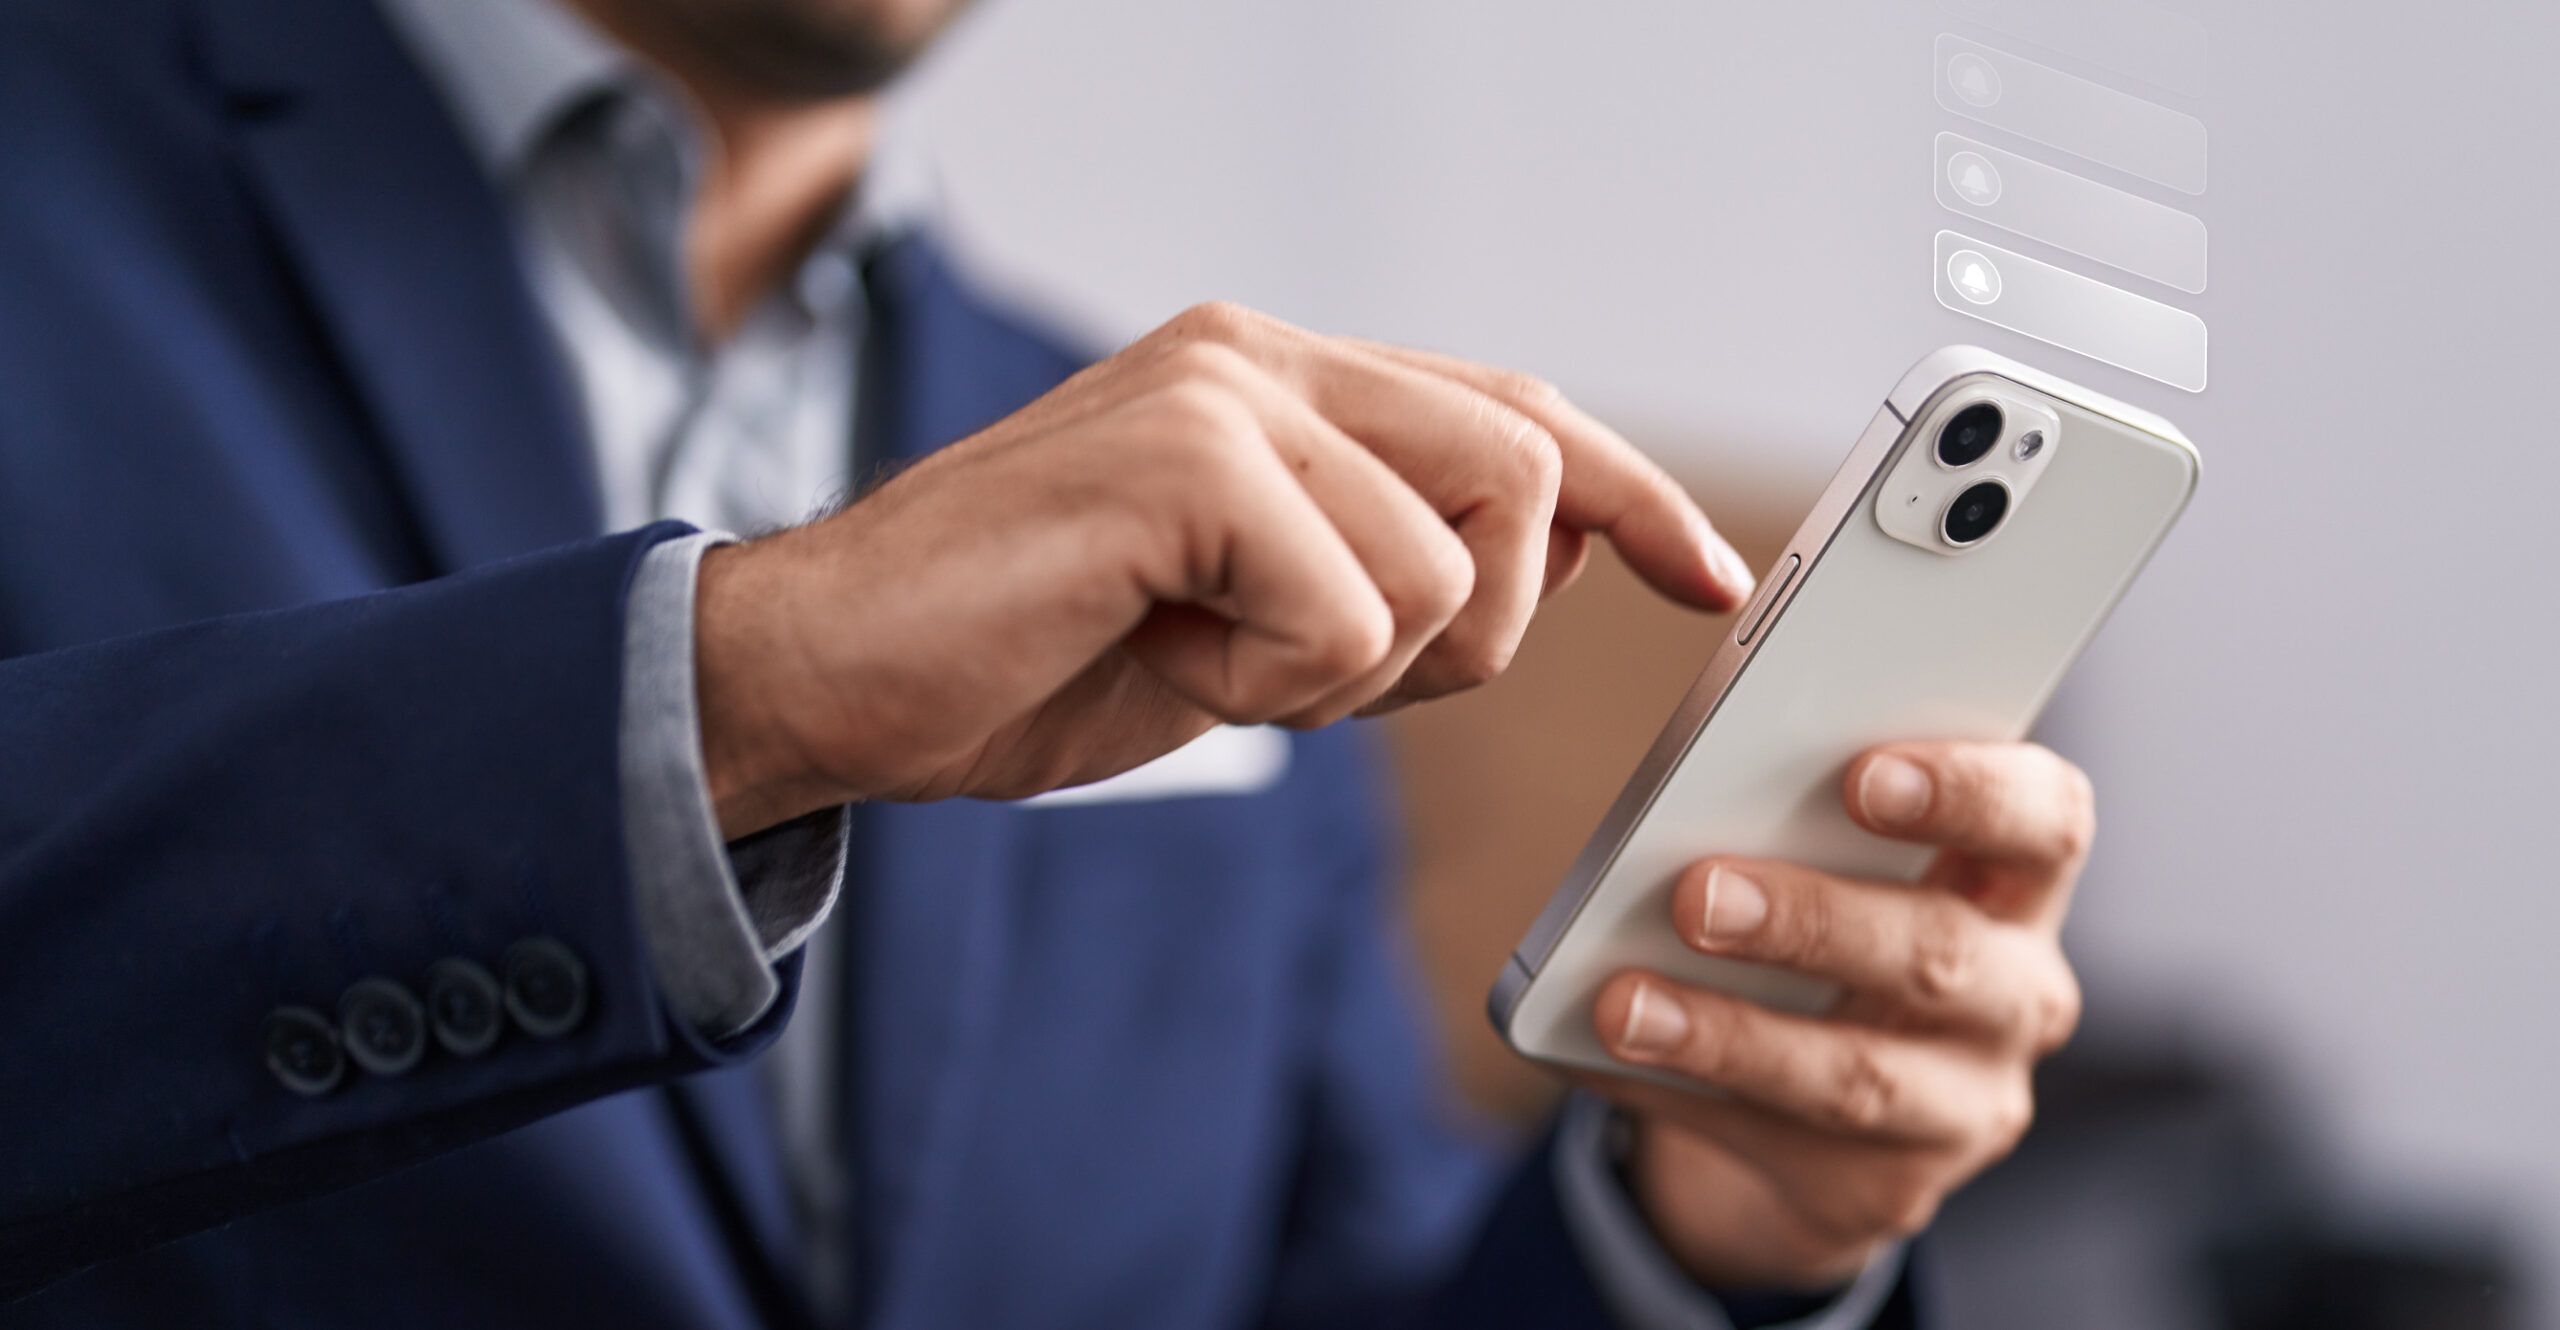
x=1232, y=520
x=1845, y=1132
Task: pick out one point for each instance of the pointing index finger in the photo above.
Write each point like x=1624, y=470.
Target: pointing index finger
x=1611, y=487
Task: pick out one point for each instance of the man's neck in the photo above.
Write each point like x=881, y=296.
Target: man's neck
x=769, y=194
x=779, y=174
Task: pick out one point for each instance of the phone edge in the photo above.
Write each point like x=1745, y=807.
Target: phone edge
x=1697, y=707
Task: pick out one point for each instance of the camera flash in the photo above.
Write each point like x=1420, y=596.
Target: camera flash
x=2030, y=443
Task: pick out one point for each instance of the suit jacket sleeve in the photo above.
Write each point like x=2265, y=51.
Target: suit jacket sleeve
x=203, y=825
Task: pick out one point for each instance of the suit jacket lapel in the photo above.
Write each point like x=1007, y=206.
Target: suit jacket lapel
x=944, y=363
x=406, y=255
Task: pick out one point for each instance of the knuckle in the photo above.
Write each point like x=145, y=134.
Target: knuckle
x=1538, y=455
x=2044, y=805
x=2071, y=844
x=1946, y=951
x=1453, y=579
x=1480, y=661
x=1802, y=927
x=1968, y=796
x=1462, y=660
x=1715, y=1052
x=1216, y=320
x=2010, y=1117
x=1200, y=361
x=2056, y=1015
x=1863, y=1092
x=1360, y=639
x=1523, y=446
x=1204, y=420
x=1526, y=390
x=1341, y=649
x=2079, y=829
x=1438, y=582
x=1546, y=462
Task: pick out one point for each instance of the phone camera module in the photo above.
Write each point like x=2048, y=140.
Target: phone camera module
x=1969, y=434
x=1976, y=513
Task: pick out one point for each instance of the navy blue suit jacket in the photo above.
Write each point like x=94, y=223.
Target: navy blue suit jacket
x=311, y=672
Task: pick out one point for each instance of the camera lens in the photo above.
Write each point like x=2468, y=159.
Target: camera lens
x=1975, y=513
x=1969, y=434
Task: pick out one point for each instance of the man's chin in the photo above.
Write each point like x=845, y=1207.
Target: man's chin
x=814, y=50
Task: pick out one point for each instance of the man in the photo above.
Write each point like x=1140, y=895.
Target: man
x=395, y=875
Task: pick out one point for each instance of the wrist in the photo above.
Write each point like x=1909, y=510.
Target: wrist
x=746, y=677
x=1725, y=1224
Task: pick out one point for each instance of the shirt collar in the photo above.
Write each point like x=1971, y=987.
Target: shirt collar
x=508, y=68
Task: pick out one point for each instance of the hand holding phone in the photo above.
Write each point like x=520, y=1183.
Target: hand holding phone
x=1831, y=1135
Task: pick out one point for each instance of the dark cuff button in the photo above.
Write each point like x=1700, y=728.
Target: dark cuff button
x=546, y=987
x=464, y=1007
x=384, y=1027
x=302, y=1050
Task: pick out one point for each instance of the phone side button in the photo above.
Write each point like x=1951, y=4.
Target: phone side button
x=1776, y=586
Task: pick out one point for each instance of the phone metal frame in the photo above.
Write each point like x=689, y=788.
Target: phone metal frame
x=1842, y=500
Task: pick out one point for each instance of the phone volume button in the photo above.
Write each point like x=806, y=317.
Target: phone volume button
x=1779, y=579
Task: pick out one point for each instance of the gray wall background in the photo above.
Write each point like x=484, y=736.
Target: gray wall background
x=2323, y=726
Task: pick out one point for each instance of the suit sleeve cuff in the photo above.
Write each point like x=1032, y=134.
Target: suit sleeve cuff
x=1643, y=1287
x=716, y=916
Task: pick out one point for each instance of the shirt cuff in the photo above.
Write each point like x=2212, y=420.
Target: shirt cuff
x=716, y=917
x=1638, y=1280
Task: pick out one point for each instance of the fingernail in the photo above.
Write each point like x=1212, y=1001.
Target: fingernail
x=1655, y=1023
x=1732, y=571
x=1725, y=566
x=1735, y=904
x=1893, y=792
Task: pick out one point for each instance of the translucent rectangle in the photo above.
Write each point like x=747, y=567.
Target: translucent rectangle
x=2066, y=111
x=2127, y=36
x=2070, y=212
x=2070, y=311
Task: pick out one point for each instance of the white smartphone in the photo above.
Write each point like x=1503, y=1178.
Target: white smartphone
x=1970, y=547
